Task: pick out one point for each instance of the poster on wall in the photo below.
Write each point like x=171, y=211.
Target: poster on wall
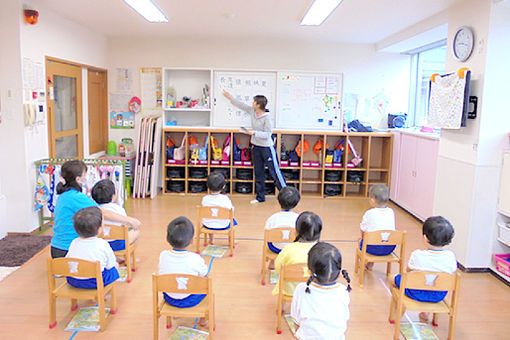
x=124, y=80
x=122, y=120
x=34, y=93
x=151, y=80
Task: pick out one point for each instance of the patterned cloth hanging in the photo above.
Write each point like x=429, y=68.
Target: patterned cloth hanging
x=447, y=99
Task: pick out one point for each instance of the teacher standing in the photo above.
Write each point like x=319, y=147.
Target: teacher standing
x=263, y=152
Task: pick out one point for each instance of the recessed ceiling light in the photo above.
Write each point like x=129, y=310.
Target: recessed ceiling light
x=148, y=10
x=319, y=11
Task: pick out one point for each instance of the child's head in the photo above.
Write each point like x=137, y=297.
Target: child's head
x=325, y=264
x=308, y=227
x=180, y=232
x=104, y=192
x=88, y=221
x=438, y=231
x=215, y=181
x=379, y=194
x=288, y=198
x=260, y=102
x=73, y=172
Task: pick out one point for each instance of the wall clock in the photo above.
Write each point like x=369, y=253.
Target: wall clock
x=463, y=43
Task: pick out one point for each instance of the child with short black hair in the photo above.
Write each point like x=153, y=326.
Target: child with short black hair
x=308, y=227
x=180, y=261
x=88, y=222
x=320, y=307
x=380, y=217
x=437, y=233
x=105, y=194
x=288, y=198
x=215, y=183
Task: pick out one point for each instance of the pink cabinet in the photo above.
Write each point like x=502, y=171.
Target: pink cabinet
x=413, y=185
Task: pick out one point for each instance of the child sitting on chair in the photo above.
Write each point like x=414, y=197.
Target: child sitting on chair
x=215, y=184
x=437, y=233
x=105, y=194
x=180, y=261
x=308, y=227
x=88, y=222
x=320, y=307
x=288, y=198
x=380, y=217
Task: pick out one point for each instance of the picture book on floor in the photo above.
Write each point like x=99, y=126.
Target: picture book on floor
x=86, y=319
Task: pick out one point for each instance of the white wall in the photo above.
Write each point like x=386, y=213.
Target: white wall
x=12, y=152
x=366, y=71
x=470, y=158
x=57, y=37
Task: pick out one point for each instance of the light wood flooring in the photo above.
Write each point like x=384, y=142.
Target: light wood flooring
x=244, y=308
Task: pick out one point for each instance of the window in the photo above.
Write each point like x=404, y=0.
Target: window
x=424, y=62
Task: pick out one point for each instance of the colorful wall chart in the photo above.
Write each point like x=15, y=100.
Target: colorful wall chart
x=122, y=120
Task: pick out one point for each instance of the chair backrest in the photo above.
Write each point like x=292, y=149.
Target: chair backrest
x=114, y=232
x=216, y=213
x=297, y=272
x=181, y=283
x=384, y=237
x=280, y=235
x=66, y=266
x=430, y=280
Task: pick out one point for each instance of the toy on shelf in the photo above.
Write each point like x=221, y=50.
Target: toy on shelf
x=126, y=147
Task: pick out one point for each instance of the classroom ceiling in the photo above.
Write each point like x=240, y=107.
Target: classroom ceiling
x=354, y=21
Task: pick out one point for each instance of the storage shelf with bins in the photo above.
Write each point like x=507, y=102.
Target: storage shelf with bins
x=310, y=175
x=189, y=82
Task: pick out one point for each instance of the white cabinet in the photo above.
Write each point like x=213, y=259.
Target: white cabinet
x=414, y=182
x=194, y=84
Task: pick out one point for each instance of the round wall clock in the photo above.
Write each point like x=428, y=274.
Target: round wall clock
x=463, y=43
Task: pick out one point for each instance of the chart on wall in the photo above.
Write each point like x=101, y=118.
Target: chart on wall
x=243, y=86
x=309, y=100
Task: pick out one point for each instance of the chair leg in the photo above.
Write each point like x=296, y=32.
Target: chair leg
x=133, y=263
x=388, y=269
x=168, y=322
x=264, y=264
x=101, y=307
x=74, y=304
x=361, y=271
x=156, y=327
x=113, y=298
x=356, y=263
x=451, y=326
x=129, y=267
x=435, y=317
x=53, y=311
x=231, y=243
x=401, y=263
x=398, y=317
x=279, y=317
x=391, y=318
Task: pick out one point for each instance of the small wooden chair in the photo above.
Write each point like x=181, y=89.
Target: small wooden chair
x=380, y=237
x=172, y=283
x=298, y=272
x=428, y=281
x=216, y=213
x=276, y=235
x=79, y=268
x=118, y=232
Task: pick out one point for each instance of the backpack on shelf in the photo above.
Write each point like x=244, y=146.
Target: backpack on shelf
x=226, y=149
x=217, y=152
x=237, y=150
x=202, y=151
x=169, y=147
x=180, y=152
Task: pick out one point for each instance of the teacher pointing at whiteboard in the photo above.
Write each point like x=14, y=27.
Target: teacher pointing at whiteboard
x=263, y=153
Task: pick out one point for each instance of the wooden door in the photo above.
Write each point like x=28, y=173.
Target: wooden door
x=64, y=101
x=426, y=164
x=98, y=111
x=406, y=172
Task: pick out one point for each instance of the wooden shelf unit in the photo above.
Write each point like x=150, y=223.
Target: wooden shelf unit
x=375, y=149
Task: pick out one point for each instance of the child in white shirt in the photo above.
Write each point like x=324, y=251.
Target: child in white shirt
x=88, y=222
x=180, y=261
x=320, y=307
x=105, y=194
x=380, y=217
x=437, y=233
x=215, y=183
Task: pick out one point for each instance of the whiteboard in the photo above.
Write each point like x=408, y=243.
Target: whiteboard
x=309, y=100
x=243, y=86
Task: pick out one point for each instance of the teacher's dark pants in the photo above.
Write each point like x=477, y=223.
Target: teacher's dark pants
x=263, y=156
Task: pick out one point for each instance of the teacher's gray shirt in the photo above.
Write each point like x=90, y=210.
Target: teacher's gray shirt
x=261, y=125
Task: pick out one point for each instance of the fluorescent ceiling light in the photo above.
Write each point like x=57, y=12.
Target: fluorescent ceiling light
x=319, y=11
x=148, y=10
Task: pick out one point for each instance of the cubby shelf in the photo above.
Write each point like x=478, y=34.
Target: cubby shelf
x=374, y=148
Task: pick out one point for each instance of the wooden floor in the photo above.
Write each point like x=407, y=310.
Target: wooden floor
x=244, y=308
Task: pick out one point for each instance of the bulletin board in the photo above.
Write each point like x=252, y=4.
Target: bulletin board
x=243, y=86
x=309, y=100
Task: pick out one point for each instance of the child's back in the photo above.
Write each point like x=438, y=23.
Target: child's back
x=381, y=217
x=288, y=198
x=215, y=184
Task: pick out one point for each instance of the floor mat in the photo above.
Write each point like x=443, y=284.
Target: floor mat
x=18, y=249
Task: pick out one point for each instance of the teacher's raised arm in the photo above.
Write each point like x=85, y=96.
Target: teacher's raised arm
x=263, y=152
